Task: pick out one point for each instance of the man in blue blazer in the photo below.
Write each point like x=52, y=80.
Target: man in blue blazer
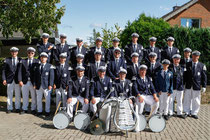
x=44, y=79
x=46, y=47
x=62, y=77
x=195, y=78
x=164, y=87
x=145, y=91
x=134, y=47
x=26, y=80
x=10, y=79
x=115, y=65
x=62, y=47
x=78, y=90
x=168, y=51
x=100, y=87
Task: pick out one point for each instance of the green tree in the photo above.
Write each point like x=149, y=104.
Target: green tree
x=146, y=27
x=29, y=17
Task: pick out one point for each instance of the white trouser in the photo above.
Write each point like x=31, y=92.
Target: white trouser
x=70, y=106
x=93, y=107
x=28, y=87
x=148, y=99
x=47, y=95
x=10, y=88
x=164, y=103
x=61, y=93
x=187, y=105
x=179, y=96
x=195, y=97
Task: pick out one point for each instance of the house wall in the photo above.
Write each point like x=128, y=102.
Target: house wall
x=201, y=10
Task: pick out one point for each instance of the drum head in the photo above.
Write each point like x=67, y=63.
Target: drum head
x=61, y=120
x=81, y=121
x=157, y=123
x=142, y=122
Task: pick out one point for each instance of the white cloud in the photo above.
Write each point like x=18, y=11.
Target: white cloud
x=95, y=25
x=164, y=8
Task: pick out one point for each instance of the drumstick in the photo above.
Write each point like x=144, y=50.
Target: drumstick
x=57, y=108
x=152, y=110
x=77, y=107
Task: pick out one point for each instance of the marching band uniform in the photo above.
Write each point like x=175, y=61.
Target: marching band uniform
x=150, y=49
x=45, y=48
x=115, y=65
x=62, y=77
x=44, y=78
x=133, y=69
x=93, y=67
x=131, y=48
x=61, y=48
x=178, y=87
x=195, y=77
x=100, y=87
x=164, y=86
x=167, y=52
x=123, y=86
x=78, y=50
x=143, y=87
x=110, y=51
x=26, y=75
x=185, y=60
x=78, y=89
x=93, y=49
x=10, y=75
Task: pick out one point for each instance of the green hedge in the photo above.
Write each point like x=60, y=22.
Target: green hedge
x=196, y=39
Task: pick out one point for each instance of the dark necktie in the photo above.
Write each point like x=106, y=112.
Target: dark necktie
x=117, y=63
x=13, y=63
x=62, y=68
x=97, y=65
x=193, y=68
x=134, y=47
x=29, y=63
x=152, y=49
x=152, y=67
x=136, y=68
x=165, y=74
x=42, y=67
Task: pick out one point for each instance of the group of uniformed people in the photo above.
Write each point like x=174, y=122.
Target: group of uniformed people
x=156, y=77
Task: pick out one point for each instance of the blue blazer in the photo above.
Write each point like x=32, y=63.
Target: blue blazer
x=143, y=88
x=127, y=88
x=46, y=78
x=57, y=51
x=42, y=48
x=10, y=73
x=148, y=50
x=113, y=70
x=99, y=89
x=25, y=72
x=110, y=54
x=165, y=54
x=178, y=77
x=164, y=84
x=74, y=53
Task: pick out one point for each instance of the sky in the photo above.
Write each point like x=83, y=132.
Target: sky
x=82, y=16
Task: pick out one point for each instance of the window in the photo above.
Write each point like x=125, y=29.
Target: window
x=192, y=23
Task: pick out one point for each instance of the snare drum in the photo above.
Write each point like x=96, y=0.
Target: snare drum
x=157, y=123
x=81, y=120
x=61, y=120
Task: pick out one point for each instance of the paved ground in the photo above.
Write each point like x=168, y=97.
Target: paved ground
x=14, y=127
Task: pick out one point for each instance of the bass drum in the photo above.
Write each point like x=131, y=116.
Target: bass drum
x=157, y=123
x=61, y=120
x=81, y=120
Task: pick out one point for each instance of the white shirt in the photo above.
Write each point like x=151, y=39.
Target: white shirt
x=194, y=63
x=30, y=60
x=98, y=48
x=97, y=63
x=170, y=48
x=153, y=48
x=80, y=79
x=79, y=49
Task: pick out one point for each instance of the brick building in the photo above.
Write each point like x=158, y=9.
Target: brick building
x=195, y=13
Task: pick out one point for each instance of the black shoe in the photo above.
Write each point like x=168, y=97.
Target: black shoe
x=194, y=116
x=166, y=117
x=147, y=113
x=9, y=111
x=17, y=111
x=33, y=112
x=169, y=116
x=182, y=116
x=23, y=112
x=47, y=114
x=39, y=113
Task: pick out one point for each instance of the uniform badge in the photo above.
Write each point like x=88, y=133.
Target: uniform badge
x=199, y=73
x=49, y=53
x=47, y=73
x=130, y=84
x=64, y=75
x=204, y=67
x=127, y=90
x=177, y=51
x=105, y=88
x=83, y=89
x=148, y=85
x=169, y=75
x=185, y=69
x=139, y=51
x=55, y=47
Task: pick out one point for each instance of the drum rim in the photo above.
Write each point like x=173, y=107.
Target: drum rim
x=145, y=121
x=61, y=113
x=156, y=115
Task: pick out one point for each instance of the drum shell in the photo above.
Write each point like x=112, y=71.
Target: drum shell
x=81, y=120
x=61, y=120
